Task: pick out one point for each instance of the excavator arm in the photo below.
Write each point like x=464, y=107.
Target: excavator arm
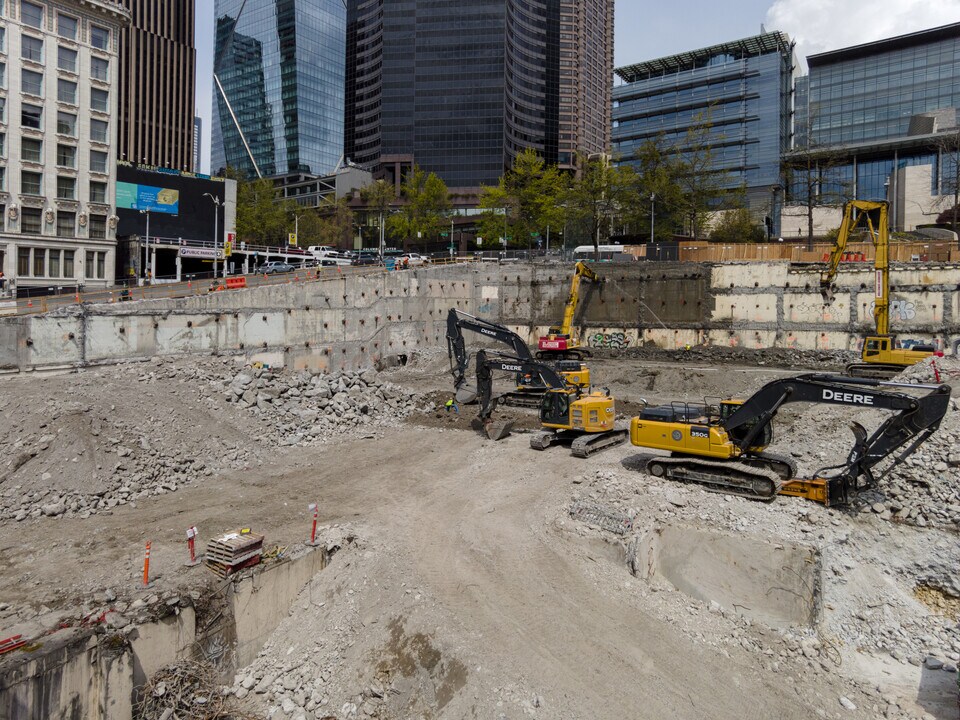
x=872, y=216
x=582, y=270
x=489, y=363
x=457, y=321
x=915, y=418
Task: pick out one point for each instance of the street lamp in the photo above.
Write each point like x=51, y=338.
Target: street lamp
x=653, y=198
x=148, y=270
x=216, y=234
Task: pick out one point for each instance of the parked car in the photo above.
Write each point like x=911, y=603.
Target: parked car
x=366, y=257
x=274, y=266
x=413, y=259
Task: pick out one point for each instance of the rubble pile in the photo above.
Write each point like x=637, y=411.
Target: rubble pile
x=138, y=431
x=303, y=407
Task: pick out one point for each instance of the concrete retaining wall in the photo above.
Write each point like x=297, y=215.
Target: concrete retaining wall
x=356, y=321
x=80, y=674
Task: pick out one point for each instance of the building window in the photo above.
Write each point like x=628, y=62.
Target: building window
x=3, y=186
x=98, y=161
x=53, y=263
x=31, y=48
x=66, y=224
x=99, y=100
x=3, y=75
x=66, y=188
x=31, y=82
x=98, y=227
x=23, y=262
x=89, y=265
x=30, y=116
x=3, y=110
x=98, y=192
x=30, y=183
x=67, y=27
x=31, y=150
x=98, y=131
x=66, y=156
x=68, y=263
x=99, y=37
x=31, y=14
x=67, y=124
x=31, y=221
x=67, y=92
x=101, y=266
x=3, y=39
x=3, y=144
x=66, y=59
x=100, y=69
x=39, y=262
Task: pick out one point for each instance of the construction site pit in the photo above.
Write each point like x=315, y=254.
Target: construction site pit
x=453, y=576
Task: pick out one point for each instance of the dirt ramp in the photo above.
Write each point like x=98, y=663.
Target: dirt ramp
x=777, y=585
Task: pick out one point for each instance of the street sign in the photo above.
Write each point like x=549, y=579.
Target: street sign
x=292, y=239
x=227, y=248
x=201, y=253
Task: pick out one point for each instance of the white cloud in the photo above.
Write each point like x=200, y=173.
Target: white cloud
x=822, y=25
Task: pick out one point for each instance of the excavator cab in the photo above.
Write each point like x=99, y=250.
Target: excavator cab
x=555, y=409
x=763, y=440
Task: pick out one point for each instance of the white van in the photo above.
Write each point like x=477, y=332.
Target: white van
x=316, y=249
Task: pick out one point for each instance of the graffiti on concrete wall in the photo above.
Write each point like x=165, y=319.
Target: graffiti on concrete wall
x=614, y=340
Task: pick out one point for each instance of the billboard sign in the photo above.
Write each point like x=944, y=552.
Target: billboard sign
x=146, y=197
x=201, y=253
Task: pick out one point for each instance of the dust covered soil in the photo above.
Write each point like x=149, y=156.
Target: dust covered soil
x=483, y=579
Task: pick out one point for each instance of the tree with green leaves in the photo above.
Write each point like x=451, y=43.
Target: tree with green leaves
x=379, y=196
x=599, y=194
x=737, y=226
x=423, y=212
x=701, y=186
x=263, y=218
x=659, y=198
x=526, y=201
x=336, y=226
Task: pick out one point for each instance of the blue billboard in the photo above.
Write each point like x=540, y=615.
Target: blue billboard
x=146, y=197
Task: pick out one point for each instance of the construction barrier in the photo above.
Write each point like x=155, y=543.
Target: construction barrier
x=236, y=282
x=191, y=545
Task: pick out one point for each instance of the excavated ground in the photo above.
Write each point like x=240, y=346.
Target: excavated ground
x=486, y=580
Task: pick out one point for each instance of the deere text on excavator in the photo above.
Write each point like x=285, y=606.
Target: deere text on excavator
x=881, y=358
x=561, y=341
x=568, y=414
x=529, y=388
x=724, y=447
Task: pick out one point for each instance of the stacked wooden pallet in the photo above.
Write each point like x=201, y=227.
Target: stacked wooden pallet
x=234, y=551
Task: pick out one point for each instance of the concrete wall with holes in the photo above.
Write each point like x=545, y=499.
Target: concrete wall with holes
x=358, y=321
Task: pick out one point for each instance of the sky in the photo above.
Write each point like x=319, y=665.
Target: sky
x=645, y=31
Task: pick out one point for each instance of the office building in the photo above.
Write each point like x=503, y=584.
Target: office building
x=278, y=86
x=737, y=94
x=880, y=109
x=157, y=84
x=57, y=149
x=460, y=89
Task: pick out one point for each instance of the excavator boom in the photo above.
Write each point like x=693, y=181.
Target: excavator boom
x=560, y=341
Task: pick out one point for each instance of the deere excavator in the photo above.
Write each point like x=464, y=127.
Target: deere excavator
x=568, y=414
x=561, y=342
x=881, y=358
x=724, y=447
x=529, y=389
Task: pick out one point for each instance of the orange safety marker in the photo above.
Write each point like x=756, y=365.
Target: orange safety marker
x=936, y=370
x=313, y=531
x=29, y=302
x=146, y=566
x=191, y=540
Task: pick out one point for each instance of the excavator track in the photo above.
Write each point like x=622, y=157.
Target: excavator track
x=752, y=479
x=581, y=444
x=874, y=371
x=586, y=445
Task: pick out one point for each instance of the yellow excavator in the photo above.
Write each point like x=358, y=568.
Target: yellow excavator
x=881, y=357
x=561, y=342
x=724, y=446
x=569, y=414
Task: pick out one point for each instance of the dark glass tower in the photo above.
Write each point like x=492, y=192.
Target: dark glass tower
x=278, y=86
x=461, y=87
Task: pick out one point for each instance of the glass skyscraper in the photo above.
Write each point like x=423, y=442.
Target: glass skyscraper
x=737, y=93
x=460, y=87
x=880, y=106
x=278, y=95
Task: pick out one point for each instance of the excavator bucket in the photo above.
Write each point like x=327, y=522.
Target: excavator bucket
x=498, y=430
x=466, y=395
